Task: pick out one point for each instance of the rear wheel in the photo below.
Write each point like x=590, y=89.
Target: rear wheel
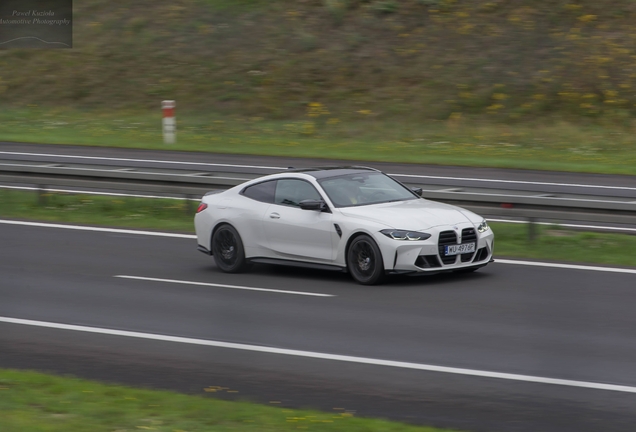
x=227, y=249
x=364, y=261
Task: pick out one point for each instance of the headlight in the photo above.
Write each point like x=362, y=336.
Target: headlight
x=483, y=226
x=405, y=235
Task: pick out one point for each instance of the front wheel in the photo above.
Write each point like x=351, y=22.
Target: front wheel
x=227, y=249
x=364, y=261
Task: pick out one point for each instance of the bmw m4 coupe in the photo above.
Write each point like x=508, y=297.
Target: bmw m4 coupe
x=353, y=219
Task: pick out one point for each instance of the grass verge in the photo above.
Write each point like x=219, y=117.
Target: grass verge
x=36, y=402
x=552, y=243
x=125, y=212
x=556, y=146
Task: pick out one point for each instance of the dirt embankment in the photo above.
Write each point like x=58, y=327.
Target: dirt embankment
x=419, y=59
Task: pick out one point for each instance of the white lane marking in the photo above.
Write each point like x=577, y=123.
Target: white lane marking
x=566, y=266
x=238, y=287
x=516, y=182
x=98, y=229
x=607, y=228
x=97, y=193
x=325, y=356
x=192, y=236
x=114, y=159
x=284, y=168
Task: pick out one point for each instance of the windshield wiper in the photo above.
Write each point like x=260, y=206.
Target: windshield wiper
x=396, y=200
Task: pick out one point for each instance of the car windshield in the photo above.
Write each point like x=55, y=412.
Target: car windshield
x=363, y=189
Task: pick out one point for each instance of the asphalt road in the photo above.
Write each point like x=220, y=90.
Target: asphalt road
x=541, y=322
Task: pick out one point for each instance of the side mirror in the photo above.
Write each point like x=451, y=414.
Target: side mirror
x=316, y=205
x=417, y=191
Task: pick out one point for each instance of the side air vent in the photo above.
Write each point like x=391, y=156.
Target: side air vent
x=427, y=261
x=338, y=230
x=482, y=254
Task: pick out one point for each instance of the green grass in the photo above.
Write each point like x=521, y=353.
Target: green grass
x=32, y=401
x=560, y=244
x=542, y=146
x=553, y=243
x=142, y=213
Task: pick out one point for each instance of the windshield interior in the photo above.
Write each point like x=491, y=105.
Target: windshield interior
x=364, y=189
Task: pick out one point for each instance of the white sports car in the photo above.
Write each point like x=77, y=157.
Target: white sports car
x=353, y=219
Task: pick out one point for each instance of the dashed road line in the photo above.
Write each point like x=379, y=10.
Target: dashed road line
x=215, y=285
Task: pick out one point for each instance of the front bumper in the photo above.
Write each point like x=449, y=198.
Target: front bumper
x=428, y=255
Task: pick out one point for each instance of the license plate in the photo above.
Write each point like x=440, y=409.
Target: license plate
x=459, y=249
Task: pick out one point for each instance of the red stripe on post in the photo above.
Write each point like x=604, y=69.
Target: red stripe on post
x=169, y=122
x=168, y=108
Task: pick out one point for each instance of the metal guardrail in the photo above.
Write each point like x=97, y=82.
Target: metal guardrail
x=490, y=202
x=118, y=179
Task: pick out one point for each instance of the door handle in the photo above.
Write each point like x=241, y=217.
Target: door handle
x=274, y=215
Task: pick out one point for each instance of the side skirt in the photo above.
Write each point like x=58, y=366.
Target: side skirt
x=276, y=261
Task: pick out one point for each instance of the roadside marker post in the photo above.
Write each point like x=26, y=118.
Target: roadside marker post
x=169, y=122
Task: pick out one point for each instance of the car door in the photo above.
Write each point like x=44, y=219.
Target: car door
x=294, y=233
x=249, y=215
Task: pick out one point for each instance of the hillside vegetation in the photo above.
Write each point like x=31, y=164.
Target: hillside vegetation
x=336, y=60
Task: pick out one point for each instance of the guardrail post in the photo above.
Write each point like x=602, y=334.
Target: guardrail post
x=41, y=195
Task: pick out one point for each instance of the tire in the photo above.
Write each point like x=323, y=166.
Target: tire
x=228, y=251
x=364, y=261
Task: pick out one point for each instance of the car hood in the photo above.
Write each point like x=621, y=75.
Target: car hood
x=414, y=215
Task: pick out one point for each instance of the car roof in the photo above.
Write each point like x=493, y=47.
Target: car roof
x=332, y=171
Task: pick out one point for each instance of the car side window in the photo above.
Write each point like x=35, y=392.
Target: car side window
x=292, y=191
x=263, y=192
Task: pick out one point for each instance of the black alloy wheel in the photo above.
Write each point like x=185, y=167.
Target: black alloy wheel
x=364, y=261
x=227, y=249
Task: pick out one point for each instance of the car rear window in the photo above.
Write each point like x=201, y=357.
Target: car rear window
x=263, y=192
